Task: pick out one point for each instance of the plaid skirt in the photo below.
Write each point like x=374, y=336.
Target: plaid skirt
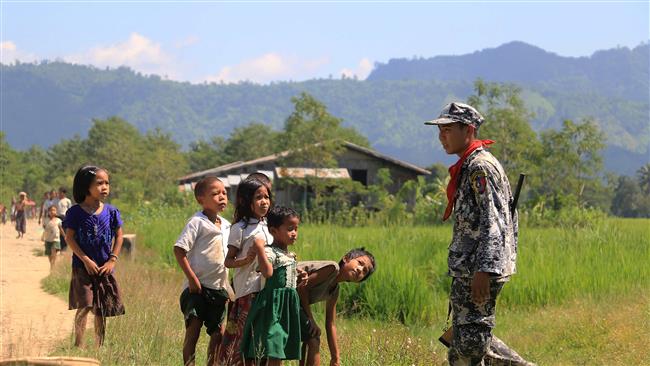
x=99, y=292
x=229, y=352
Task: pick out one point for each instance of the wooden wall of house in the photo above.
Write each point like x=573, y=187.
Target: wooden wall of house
x=357, y=162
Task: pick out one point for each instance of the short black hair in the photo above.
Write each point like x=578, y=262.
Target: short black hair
x=356, y=253
x=276, y=216
x=82, y=181
x=202, y=185
x=63, y=190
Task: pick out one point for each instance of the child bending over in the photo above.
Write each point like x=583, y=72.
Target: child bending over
x=322, y=284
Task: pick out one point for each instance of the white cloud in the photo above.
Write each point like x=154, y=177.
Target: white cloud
x=11, y=53
x=361, y=72
x=138, y=52
x=186, y=42
x=269, y=67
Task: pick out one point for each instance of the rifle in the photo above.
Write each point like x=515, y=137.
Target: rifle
x=448, y=334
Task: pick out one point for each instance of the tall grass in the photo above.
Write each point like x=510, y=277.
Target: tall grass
x=565, y=278
x=410, y=284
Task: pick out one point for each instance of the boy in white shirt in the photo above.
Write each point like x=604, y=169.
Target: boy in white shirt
x=199, y=252
x=51, y=235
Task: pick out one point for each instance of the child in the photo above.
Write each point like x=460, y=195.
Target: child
x=200, y=253
x=253, y=202
x=52, y=235
x=272, y=328
x=90, y=227
x=62, y=206
x=322, y=284
x=48, y=201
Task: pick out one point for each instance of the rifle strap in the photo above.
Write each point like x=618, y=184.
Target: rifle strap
x=448, y=311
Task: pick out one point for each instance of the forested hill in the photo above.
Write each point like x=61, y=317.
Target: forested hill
x=620, y=72
x=43, y=103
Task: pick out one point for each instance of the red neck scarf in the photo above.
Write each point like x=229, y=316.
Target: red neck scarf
x=454, y=172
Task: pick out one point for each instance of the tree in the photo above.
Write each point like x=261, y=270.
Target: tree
x=34, y=165
x=164, y=163
x=314, y=135
x=643, y=175
x=65, y=158
x=249, y=142
x=116, y=145
x=11, y=173
x=629, y=200
x=507, y=121
x=206, y=154
x=571, y=162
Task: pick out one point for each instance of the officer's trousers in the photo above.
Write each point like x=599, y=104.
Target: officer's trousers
x=473, y=343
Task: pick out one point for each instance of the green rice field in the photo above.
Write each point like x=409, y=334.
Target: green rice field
x=580, y=296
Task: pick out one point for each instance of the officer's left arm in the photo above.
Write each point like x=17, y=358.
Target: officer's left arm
x=490, y=252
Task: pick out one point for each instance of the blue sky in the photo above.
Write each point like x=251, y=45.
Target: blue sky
x=262, y=41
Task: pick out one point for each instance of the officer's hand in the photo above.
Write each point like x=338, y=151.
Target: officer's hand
x=481, y=288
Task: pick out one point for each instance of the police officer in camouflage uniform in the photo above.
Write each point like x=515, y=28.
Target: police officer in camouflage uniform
x=483, y=250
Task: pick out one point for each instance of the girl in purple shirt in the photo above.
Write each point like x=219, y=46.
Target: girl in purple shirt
x=93, y=230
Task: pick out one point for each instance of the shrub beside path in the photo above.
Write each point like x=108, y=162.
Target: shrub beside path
x=33, y=322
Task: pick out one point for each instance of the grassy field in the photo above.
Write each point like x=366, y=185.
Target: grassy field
x=581, y=296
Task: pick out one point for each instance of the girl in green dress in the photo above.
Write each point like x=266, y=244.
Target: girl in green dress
x=272, y=329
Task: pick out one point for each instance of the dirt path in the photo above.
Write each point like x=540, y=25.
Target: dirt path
x=32, y=321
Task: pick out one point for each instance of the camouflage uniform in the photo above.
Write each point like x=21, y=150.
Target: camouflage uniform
x=484, y=240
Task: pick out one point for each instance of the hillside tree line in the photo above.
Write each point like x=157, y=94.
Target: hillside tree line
x=564, y=166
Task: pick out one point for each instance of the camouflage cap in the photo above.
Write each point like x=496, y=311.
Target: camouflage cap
x=458, y=112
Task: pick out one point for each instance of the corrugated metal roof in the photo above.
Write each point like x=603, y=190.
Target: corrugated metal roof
x=326, y=173
x=269, y=158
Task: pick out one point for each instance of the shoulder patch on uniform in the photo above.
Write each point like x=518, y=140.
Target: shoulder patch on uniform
x=478, y=180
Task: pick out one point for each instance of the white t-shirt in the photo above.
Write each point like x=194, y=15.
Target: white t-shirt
x=204, y=243
x=246, y=279
x=62, y=206
x=51, y=232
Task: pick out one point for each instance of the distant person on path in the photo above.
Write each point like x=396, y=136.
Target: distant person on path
x=252, y=204
x=483, y=249
x=52, y=236
x=322, y=284
x=90, y=227
x=48, y=201
x=200, y=252
x=272, y=329
x=62, y=204
x=21, y=218
x=12, y=213
x=3, y=213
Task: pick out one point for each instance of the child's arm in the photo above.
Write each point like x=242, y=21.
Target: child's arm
x=115, y=252
x=231, y=260
x=265, y=266
x=61, y=229
x=313, y=279
x=330, y=328
x=91, y=266
x=192, y=280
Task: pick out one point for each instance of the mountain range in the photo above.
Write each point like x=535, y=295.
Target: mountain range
x=45, y=102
